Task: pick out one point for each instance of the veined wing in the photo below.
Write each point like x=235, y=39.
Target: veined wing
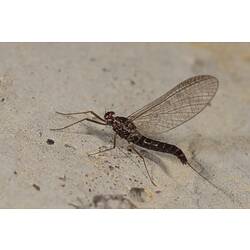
x=177, y=106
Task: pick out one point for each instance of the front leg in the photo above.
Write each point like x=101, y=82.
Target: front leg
x=84, y=112
x=85, y=119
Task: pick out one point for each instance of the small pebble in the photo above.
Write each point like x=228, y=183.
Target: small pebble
x=132, y=82
x=111, y=167
x=50, y=141
x=36, y=187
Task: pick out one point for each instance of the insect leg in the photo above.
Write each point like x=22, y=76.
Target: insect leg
x=85, y=119
x=107, y=149
x=137, y=152
x=80, y=113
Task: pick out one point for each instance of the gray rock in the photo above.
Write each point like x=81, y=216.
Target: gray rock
x=38, y=79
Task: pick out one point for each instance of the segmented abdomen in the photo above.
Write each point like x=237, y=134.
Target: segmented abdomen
x=161, y=147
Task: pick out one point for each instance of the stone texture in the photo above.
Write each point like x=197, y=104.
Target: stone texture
x=36, y=79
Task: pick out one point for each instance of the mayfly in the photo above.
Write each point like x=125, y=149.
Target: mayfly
x=169, y=111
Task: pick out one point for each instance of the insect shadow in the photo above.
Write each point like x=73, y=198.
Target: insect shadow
x=157, y=160
x=104, y=136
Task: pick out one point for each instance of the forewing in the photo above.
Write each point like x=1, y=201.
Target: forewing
x=177, y=106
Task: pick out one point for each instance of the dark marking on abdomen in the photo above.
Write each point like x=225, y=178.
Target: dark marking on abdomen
x=151, y=144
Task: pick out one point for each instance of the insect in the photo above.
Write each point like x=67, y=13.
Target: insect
x=169, y=111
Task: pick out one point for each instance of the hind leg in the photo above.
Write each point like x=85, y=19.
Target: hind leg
x=138, y=153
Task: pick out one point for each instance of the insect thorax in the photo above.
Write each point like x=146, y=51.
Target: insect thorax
x=125, y=128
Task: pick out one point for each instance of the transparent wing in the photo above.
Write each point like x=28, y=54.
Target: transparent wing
x=177, y=106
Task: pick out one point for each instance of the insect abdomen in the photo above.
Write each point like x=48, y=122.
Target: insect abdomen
x=161, y=147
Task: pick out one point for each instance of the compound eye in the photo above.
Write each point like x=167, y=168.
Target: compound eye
x=110, y=114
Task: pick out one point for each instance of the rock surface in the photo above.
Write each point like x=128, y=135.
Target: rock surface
x=47, y=169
